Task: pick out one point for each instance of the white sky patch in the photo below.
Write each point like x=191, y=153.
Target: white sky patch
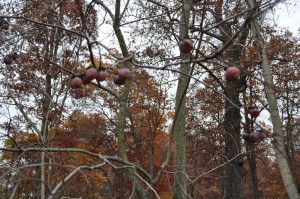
x=289, y=15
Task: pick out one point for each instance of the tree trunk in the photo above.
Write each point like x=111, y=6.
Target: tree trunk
x=44, y=130
x=234, y=184
x=251, y=154
x=43, y=190
x=232, y=118
x=123, y=99
x=232, y=124
x=278, y=132
x=290, y=145
x=251, y=157
x=180, y=181
x=152, y=161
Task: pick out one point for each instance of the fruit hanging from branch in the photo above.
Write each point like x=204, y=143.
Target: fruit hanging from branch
x=121, y=76
x=13, y=55
x=76, y=82
x=91, y=73
x=186, y=46
x=232, y=73
x=261, y=134
x=101, y=75
x=117, y=80
x=4, y=25
x=7, y=60
x=253, y=111
x=124, y=74
x=85, y=79
x=254, y=137
x=245, y=136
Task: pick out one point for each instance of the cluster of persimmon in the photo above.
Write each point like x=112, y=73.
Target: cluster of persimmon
x=9, y=58
x=232, y=73
x=99, y=75
x=255, y=136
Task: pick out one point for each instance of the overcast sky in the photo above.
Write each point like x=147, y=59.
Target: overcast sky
x=289, y=15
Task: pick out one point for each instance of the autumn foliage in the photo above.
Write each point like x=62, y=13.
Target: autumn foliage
x=89, y=111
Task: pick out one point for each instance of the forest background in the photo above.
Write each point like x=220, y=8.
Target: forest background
x=148, y=99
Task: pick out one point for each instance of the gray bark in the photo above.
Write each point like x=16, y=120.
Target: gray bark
x=44, y=130
x=180, y=181
x=123, y=98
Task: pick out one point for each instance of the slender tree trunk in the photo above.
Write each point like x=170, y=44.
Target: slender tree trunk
x=152, y=161
x=290, y=145
x=251, y=158
x=251, y=154
x=253, y=171
x=43, y=190
x=278, y=132
x=44, y=130
x=180, y=181
x=123, y=98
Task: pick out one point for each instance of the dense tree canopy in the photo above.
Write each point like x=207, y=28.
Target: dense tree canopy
x=148, y=99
